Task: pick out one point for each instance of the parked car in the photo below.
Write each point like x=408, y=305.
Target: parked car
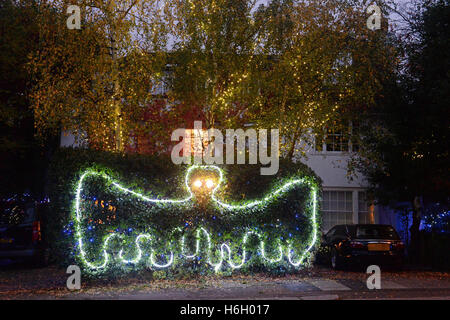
x=21, y=236
x=354, y=245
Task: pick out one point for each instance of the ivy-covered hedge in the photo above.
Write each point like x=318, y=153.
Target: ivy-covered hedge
x=113, y=211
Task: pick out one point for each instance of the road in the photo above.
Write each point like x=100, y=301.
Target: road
x=317, y=283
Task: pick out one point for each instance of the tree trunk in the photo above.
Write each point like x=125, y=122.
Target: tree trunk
x=118, y=119
x=292, y=149
x=294, y=141
x=282, y=110
x=414, y=231
x=116, y=95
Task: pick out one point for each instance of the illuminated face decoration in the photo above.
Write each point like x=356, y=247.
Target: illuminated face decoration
x=202, y=184
x=128, y=228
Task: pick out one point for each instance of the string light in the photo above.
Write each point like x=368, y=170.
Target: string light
x=201, y=234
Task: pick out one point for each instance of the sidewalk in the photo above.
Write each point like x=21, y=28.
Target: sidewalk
x=317, y=283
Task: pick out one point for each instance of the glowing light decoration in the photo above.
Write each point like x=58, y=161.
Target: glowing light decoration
x=197, y=184
x=209, y=183
x=217, y=256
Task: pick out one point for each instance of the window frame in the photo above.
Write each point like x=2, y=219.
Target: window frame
x=323, y=149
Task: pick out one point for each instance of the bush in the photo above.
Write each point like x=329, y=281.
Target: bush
x=113, y=211
x=434, y=251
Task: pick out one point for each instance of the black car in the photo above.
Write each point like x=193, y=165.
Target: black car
x=21, y=237
x=352, y=245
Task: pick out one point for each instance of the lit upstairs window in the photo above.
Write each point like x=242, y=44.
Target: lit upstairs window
x=338, y=137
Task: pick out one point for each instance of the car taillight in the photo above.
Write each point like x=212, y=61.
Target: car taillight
x=36, y=233
x=398, y=245
x=356, y=245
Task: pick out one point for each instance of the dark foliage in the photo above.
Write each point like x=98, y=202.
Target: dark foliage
x=158, y=177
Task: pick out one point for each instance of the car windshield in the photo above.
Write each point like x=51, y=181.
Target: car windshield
x=376, y=232
x=15, y=213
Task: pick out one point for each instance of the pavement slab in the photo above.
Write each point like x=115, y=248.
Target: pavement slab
x=328, y=285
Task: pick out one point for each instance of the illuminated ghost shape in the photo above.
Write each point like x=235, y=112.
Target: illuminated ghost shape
x=217, y=255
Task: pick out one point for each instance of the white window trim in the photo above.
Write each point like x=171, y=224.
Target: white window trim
x=324, y=145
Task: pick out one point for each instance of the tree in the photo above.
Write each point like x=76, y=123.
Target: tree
x=93, y=81
x=406, y=144
x=291, y=65
x=328, y=67
x=22, y=159
x=214, y=46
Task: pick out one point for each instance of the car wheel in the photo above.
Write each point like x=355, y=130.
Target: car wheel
x=336, y=261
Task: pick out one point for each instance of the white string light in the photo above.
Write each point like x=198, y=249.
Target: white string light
x=225, y=250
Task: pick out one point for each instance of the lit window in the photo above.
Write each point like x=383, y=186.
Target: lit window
x=364, y=215
x=336, y=138
x=337, y=208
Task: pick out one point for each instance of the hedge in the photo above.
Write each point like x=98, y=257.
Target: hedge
x=113, y=211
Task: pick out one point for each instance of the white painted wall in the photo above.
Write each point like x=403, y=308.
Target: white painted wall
x=331, y=167
x=68, y=140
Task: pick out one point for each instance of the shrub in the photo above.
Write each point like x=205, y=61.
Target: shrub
x=115, y=212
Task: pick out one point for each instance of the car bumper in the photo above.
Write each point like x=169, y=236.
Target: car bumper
x=375, y=258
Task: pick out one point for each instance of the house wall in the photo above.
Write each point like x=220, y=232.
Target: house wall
x=68, y=140
x=343, y=195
